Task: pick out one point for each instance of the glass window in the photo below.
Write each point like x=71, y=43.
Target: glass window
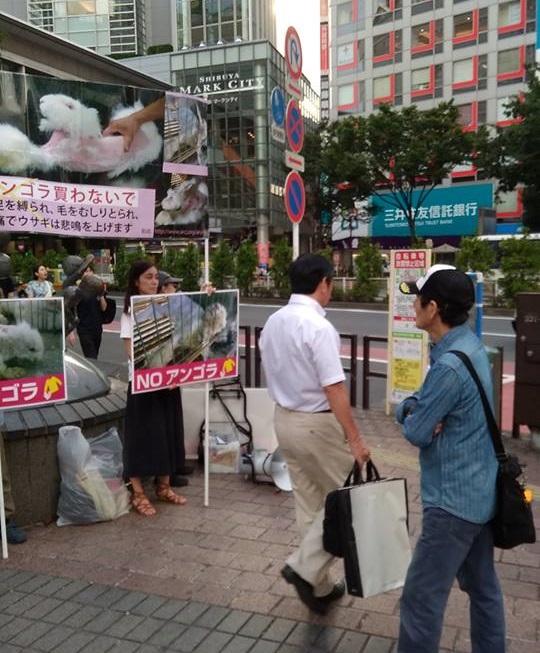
x=345, y=14
x=508, y=61
x=508, y=202
x=382, y=87
x=345, y=54
x=463, y=71
x=196, y=13
x=227, y=9
x=384, y=6
x=227, y=32
x=509, y=13
x=345, y=94
x=421, y=79
x=420, y=35
x=465, y=114
x=212, y=11
x=381, y=45
x=80, y=8
x=464, y=25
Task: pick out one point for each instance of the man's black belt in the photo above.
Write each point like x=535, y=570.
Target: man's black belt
x=328, y=410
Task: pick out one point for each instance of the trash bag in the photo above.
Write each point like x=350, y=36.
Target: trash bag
x=91, y=487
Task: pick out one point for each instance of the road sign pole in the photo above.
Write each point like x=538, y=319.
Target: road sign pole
x=295, y=240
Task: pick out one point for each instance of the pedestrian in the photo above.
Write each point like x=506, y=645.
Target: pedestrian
x=90, y=311
x=168, y=285
x=39, y=286
x=14, y=534
x=445, y=419
x=313, y=420
x=153, y=419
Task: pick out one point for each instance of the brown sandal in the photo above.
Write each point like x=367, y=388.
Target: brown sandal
x=164, y=492
x=142, y=505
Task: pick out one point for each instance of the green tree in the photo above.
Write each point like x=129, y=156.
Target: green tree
x=189, y=268
x=52, y=257
x=368, y=265
x=392, y=153
x=281, y=260
x=22, y=266
x=520, y=264
x=123, y=262
x=475, y=255
x=318, y=197
x=513, y=156
x=221, y=264
x=170, y=262
x=245, y=266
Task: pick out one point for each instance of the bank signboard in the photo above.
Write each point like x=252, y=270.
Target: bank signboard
x=448, y=211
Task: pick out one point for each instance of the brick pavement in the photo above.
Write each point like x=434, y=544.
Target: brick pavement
x=207, y=579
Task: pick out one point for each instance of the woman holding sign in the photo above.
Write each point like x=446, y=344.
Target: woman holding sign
x=153, y=419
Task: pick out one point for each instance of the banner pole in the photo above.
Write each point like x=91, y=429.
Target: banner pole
x=206, y=387
x=3, y=513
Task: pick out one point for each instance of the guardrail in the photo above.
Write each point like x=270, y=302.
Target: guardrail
x=367, y=372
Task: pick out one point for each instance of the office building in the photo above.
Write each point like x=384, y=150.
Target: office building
x=246, y=163
x=424, y=52
x=129, y=27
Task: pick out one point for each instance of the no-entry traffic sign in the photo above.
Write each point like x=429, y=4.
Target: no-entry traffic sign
x=295, y=197
x=294, y=126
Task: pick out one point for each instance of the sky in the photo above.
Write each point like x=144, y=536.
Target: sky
x=304, y=16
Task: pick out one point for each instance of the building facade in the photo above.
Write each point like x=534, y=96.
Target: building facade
x=129, y=27
x=110, y=27
x=246, y=163
x=425, y=52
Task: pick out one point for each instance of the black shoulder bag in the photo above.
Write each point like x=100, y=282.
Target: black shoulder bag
x=513, y=523
x=108, y=315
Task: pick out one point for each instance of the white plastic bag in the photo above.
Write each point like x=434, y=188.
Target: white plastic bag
x=91, y=487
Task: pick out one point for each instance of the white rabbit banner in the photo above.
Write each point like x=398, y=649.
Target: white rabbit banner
x=32, y=367
x=183, y=338
x=84, y=159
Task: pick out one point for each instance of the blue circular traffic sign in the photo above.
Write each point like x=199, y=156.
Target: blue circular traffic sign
x=295, y=126
x=295, y=197
x=277, y=101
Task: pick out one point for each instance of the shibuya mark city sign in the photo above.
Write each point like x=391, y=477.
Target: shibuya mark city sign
x=223, y=83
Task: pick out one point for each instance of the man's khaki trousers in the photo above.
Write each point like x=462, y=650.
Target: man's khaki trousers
x=319, y=461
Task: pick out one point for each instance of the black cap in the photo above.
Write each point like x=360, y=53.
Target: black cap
x=165, y=278
x=444, y=283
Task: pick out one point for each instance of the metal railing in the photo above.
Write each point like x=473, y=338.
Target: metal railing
x=367, y=372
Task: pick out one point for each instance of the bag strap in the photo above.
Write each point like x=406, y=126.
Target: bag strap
x=494, y=430
x=355, y=475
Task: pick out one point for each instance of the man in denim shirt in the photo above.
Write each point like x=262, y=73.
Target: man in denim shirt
x=445, y=419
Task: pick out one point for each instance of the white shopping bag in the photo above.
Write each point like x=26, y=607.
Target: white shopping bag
x=366, y=524
x=379, y=522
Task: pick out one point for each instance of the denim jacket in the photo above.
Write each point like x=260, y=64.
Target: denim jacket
x=458, y=466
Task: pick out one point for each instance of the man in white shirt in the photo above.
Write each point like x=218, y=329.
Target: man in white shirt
x=313, y=420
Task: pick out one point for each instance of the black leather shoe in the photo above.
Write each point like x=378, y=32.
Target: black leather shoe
x=337, y=592
x=304, y=591
x=186, y=470
x=178, y=481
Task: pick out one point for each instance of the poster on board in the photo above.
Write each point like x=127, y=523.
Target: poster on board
x=32, y=366
x=183, y=338
x=407, y=345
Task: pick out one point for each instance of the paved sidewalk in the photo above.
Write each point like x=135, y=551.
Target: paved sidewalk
x=207, y=579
